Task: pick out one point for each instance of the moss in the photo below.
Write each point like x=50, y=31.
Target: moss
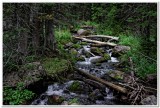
x=28, y=66
x=74, y=52
x=97, y=51
x=76, y=46
x=116, y=74
x=106, y=56
x=80, y=58
x=75, y=86
x=88, y=54
x=74, y=100
x=55, y=100
x=55, y=66
x=83, y=43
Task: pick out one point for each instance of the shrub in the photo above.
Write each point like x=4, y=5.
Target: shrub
x=16, y=96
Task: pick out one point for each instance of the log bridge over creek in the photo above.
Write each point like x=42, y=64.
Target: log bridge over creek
x=134, y=90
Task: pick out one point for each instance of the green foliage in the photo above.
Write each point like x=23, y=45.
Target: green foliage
x=130, y=40
x=91, y=23
x=77, y=46
x=16, y=96
x=63, y=36
x=142, y=65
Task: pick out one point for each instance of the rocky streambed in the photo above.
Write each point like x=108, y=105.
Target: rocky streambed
x=79, y=90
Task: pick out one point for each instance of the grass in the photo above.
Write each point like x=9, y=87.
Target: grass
x=142, y=65
x=63, y=36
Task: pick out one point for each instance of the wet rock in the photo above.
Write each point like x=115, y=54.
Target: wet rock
x=97, y=51
x=96, y=95
x=73, y=51
x=69, y=44
x=150, y=100
x=79, y=87
x=118, y=75
x=152, y=79
x=99, y=60
x=65, y=103
x=106, y=56
x=81, y=58
x=83, y=32
x=106, y=102
x=74, y=101
x=55, y=100
x=107, y=77
x=119, y=50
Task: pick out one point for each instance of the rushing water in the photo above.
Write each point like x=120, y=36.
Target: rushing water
x=60, y=90
x=85, y=96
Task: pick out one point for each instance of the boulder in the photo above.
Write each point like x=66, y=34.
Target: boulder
x=81, y=58
x=83, y=32
x=152, y=79
x=97, y=51
x=96, y=95
x=119, y=50
x=55, y=100
x=98, y=59
x=28, y=73
x=65, y=103
x=74, y=51
x=150, y=100
x=78, y=87
x=118, y=75
x=69, y=44
x=55, y=67
x=106, y=56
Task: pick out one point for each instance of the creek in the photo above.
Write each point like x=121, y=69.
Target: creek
x=77, y=90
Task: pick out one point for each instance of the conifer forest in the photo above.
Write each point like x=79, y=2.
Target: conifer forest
x=80, y=54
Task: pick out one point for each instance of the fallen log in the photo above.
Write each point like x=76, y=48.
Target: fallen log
x=116, y=87
x=94, y=83
x=102, y=36
x=98, y=45
x=95, y=41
